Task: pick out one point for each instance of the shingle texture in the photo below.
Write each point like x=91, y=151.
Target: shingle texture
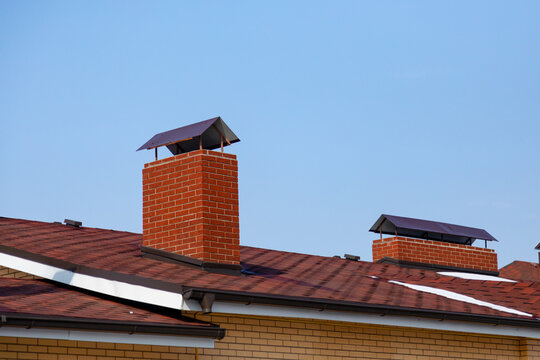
x=273, y=273
x=521, y=271
x=35, y=297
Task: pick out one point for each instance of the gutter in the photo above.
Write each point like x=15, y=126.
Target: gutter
x=43, y=321
x=202, y=295
x=46, y=327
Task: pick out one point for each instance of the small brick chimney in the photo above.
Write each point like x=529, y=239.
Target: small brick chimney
x=423, y=243
x=429, y=252
x=190, y=200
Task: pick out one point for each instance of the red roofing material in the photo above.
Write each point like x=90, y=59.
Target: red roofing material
x=521, y=271
x=39, y=298
x=271, y=272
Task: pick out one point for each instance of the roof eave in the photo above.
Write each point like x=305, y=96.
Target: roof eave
x=43, y=321
x=329, y=304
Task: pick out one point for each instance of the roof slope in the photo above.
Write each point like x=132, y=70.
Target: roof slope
x=521, y=271
x=41, y=303
x=269, y=273
x=28, y=296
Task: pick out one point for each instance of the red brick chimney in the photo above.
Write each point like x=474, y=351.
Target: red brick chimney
x=429, y=252
x=423, y=243
x=190, y=200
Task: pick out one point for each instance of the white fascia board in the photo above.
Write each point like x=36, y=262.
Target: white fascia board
x=374, y=319
x=108, y=337
x=100, y=285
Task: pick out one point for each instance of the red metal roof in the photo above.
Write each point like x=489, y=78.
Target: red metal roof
x=269, y=273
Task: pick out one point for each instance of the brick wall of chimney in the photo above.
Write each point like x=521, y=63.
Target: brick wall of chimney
x=435, y=253
x=190, y=206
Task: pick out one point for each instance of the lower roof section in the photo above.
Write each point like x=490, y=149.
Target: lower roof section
x=40, y=305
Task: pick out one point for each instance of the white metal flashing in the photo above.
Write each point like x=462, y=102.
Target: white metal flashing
x=104, y=286
x=375, y=319
x=108, y=337
x=473, y=276
x=460, y=297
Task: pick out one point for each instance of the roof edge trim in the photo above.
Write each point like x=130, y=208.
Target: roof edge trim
x=405, y=320
x=115, y=288
x=87, y=271
x=327, y=304
x=107, y=336
x=41, y=321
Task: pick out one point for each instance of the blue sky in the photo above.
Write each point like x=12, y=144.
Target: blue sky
x=346, y=110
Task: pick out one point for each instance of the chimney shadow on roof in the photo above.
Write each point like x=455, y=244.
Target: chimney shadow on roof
x=26, y=290
x=252, y=269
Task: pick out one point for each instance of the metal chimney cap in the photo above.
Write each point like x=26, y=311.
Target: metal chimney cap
x=430, y=230
x=209, y=134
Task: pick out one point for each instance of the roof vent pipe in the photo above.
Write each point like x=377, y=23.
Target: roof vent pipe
x=206, y=303
x=73, y=223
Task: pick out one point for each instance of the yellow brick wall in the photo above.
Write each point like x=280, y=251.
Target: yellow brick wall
x=15, y=274
x=260, y=338
x=530, y=349
x=272, y=338
x=46, y=349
